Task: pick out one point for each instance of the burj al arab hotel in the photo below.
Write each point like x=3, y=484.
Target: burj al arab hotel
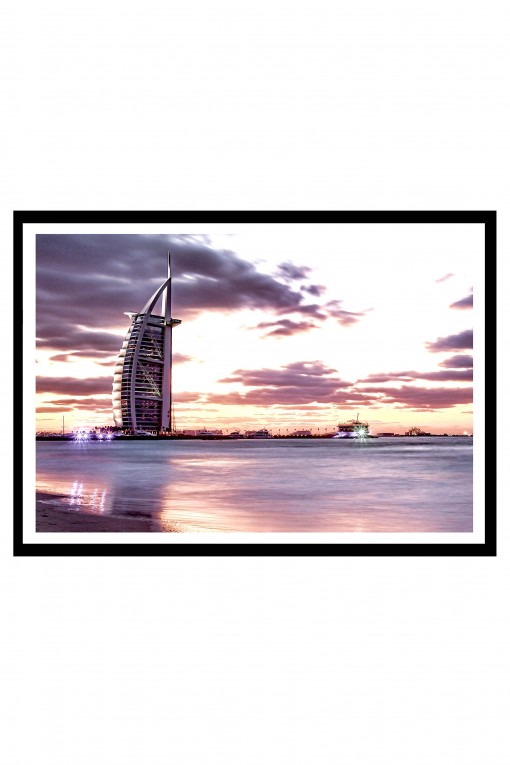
x=142, y=381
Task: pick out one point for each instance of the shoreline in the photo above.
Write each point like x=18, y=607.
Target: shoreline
x=51, y=516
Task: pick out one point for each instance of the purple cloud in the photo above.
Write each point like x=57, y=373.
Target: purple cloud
x=463, y=304
x=346, y=318
x=444, y=278
x=299, y=383
x=458, y=362
x=75, y=386
x=460, y=342
x=408, y=376
x=426, y=398
x=85, y=283
x=286, y=327
x=291, y=272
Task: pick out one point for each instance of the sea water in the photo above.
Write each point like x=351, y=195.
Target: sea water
x=414, y=484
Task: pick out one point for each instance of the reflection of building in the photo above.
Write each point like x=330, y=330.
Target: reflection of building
x=142, y=381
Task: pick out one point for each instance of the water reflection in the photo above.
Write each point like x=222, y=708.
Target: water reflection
x=218, y=487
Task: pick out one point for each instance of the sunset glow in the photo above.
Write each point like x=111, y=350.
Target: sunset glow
x=284, y=327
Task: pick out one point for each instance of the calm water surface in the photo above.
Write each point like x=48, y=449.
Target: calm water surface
x=385, y=484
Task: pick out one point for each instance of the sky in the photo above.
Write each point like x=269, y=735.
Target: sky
x=284, y=326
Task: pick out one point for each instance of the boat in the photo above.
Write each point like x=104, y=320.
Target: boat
x=211, y=435
x=353, y=429
x=263, y=433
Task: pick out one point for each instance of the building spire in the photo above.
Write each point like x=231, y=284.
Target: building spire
x=167, y=294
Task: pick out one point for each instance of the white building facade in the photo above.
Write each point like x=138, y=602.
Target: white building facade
x=142, y=380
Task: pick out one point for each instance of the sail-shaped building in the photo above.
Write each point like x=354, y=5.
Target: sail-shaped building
x=142, y=381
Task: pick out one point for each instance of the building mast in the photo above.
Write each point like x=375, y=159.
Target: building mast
x=166, y=408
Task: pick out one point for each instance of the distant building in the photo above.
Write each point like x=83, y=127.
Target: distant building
x=142, y=380
x=301, y=433
x=417, y=432
x=386, y=434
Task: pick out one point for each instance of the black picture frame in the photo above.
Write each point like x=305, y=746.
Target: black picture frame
x=487, y=548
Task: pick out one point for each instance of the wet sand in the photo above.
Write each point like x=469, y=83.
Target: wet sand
x=51, y=515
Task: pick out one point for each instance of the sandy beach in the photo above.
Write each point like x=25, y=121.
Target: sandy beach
x=51, y=515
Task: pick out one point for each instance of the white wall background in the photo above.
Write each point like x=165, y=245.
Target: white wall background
x=267, y=105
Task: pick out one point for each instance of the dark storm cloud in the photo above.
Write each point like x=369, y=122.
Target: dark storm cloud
x=79, y=275
x=76, y=341
x=460, y=342
x=466, y=302
x=458, y=362
x=91, y=280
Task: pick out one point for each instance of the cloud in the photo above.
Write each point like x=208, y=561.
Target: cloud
x=407, y=376
x=53, y=410
x=89, y=281
x=346, y=318
x=291, y=272
x=190, y=396
x=425, y=398
x=312, y=309
x=286, y=327
x=316, y=290
x=75, y=386
x=298, y=383
x=332, y=309
x=290, y=395
x=465, y=303
x=312, y=383
x=83, y=403
x=456, y=362
x=460, y=342
x=76, y=341
x=387, y=377
x=444, y=278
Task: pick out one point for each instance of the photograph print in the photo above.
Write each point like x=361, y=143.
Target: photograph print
x=254, y=383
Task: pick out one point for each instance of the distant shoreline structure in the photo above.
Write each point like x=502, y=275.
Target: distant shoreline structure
x=228, y=437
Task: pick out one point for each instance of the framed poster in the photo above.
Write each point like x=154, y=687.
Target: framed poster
x=254, y=383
